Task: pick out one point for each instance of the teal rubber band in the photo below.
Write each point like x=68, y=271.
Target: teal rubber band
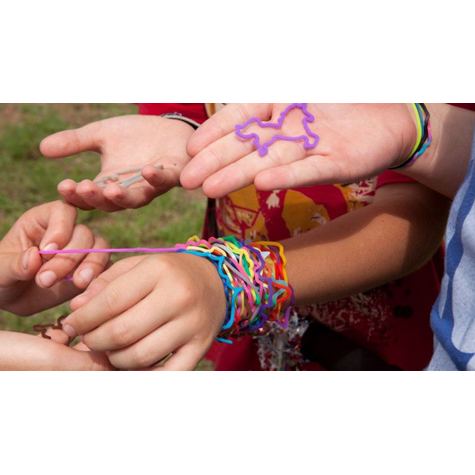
x=223, y=340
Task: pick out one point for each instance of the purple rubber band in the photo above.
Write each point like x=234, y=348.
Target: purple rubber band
x=264, y=148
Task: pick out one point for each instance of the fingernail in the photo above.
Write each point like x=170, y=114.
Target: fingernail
x=86, y=276
x=25, y=259
x=69, y=330
x=51, y=247
x=48, y=278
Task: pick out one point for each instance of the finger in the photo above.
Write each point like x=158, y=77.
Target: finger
x=129, y=198
x=104, y=280
x=184, y=359
x=129, y=327
x=59, y=219
x=62, y=265
x=58, y=336
x=155, y=182
x=93, y=195
x=151, y=349
x=71, y=142
x=67, y=189
x=81, y=347
x=50, y=225
x=216, y=156
x=94, y=288
x=161, y=179
x=224, y=122
x=117, y=297
x=21, y=266
x=242, y=173
x=92, y=266
x=314, y=170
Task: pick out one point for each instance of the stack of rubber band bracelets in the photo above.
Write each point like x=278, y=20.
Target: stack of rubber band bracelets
x=424, y=135
x=255, y=283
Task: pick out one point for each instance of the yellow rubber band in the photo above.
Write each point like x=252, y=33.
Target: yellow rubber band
x=418, y=141
x=419, y=129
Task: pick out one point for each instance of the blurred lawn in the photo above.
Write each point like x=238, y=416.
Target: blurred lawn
x=27, y=179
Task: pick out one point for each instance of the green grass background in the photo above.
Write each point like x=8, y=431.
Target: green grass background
x=27, y=179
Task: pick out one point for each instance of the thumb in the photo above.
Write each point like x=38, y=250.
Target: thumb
x=70, y=142
x=20, y=266
x=224, y=122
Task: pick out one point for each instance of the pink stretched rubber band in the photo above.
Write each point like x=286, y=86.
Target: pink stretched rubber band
x=104, y=251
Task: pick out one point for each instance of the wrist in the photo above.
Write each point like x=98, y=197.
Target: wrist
x=177, y=116
x=444, y=166
x=207, y=281
x=219, y=291
x=415, y=134
x=414, y=137
x=255, y=281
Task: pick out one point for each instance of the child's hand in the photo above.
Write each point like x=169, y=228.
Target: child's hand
x=19, y=351
x=124, y=143
x=356, y=141
x=144, y=308
x=27, y=284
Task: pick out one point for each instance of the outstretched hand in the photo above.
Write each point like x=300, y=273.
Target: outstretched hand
x=124, y=143
x=356, y=141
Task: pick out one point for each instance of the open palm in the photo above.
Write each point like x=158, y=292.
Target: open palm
x=355, y=141
x=153, y=145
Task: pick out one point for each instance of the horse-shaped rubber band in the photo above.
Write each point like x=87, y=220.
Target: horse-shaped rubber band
x=310, y=139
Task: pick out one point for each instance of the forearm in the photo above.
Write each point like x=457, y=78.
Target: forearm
x=362, y=250
x=444, y=165
x=21, y=352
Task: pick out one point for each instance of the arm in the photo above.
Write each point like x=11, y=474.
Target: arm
x=356, y=141
x=389, y=239
x=20, y=352
x=144, y=308
x=444, y=165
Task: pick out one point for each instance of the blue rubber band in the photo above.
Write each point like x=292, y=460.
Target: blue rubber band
x=223, y=340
